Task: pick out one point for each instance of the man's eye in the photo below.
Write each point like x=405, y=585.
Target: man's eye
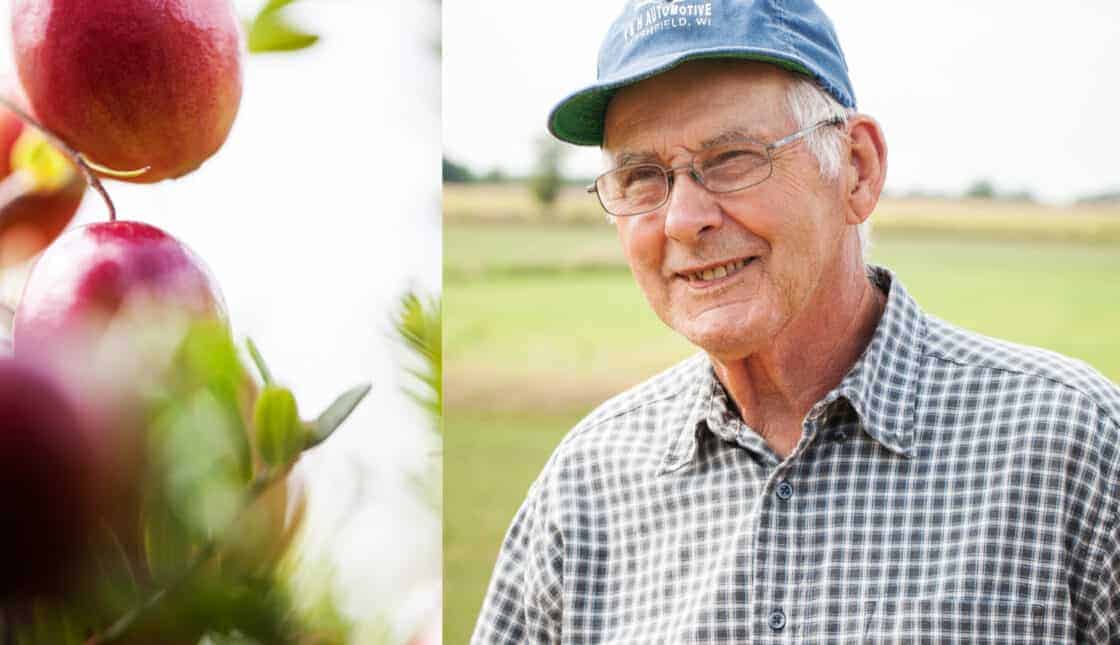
x=636, y=177
x=736, y=158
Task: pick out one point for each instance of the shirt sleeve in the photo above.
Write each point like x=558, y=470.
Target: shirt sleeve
x=523, y=602
x=1098, y=619
x=1098, y=616
x=1112, y=582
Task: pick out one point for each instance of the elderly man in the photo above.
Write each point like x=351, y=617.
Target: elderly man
x=836, y=466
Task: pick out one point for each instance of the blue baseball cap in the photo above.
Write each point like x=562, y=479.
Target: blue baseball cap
x=653, y=36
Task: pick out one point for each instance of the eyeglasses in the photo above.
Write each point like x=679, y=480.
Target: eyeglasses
x=640, y=188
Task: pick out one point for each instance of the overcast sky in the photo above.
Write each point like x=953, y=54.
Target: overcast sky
x=1023, y=93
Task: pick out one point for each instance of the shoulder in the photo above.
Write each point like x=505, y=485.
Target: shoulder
x=974, y=360
x=1059, y=410
x=666, y=388
x=635, y=427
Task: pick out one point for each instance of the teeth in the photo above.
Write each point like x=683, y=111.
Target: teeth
x=720, y=271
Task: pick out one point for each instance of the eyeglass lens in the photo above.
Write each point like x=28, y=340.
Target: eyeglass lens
x=640, y=188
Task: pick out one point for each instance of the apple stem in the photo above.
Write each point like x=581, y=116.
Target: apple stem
x=75, y=156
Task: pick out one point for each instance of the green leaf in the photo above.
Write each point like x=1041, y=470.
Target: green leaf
x=271, y=32
x=336, y=413
x=420, y=323
x=273, y=5
x=280, y=433
x=262, y=367
x=208, y=354
x=208, y=359
x=199, y=457
x=167, y=540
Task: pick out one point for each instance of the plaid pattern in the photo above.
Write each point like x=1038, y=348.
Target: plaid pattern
x=952, y=489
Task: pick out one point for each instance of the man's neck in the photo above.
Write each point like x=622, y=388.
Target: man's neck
x=775, y=388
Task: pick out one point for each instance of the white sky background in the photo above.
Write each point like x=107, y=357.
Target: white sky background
x=319, y=211
x=1022, y=93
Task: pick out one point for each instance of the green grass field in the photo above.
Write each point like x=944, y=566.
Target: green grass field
x=543, y=321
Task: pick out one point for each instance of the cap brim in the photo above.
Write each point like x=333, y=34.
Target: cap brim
x=578, y=118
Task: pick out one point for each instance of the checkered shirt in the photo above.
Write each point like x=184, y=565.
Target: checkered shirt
x=952, y=488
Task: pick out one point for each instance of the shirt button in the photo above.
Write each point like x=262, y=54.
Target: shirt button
x=839, y=436
x=785, y=491
x=777, y=620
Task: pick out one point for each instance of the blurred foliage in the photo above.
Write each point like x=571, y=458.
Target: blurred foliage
x=456, y=173
x=419, y=323
x=1105, y=197
x=272, y=31
x=280, y=433
x=547, y=179
x=330, y=419
x=981, y=189
x=200, y=550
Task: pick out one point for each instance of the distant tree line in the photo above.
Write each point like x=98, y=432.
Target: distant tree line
x=458, y=173
x=1109, y=197
x=547, y=178
x=985, y=189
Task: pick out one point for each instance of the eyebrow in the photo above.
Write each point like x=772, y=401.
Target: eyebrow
x=627, y=157
x=729, y=136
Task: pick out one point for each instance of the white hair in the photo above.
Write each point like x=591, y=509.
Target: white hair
x=809, y=104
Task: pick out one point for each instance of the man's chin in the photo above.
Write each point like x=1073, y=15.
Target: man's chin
x=730, y=338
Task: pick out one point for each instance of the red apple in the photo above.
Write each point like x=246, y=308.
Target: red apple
x=132, y=83
x=105, y=307
x=94, y=274
x=10, y=128
x=46, y=480
x=40, y=189
x=99, y=283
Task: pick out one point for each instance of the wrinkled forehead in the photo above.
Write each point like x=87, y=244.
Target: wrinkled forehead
x=696, y=102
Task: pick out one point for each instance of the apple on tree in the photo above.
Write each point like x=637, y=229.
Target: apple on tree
x=148, y=424
x=40, y=190
x=95, y=274
x=132, y=83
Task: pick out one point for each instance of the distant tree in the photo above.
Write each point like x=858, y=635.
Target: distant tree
x=1019, y=196
x=581, y=182
x=981, y=189
x=547, y=177
x=495, y=176
x=1108, y=197
x=456, y=173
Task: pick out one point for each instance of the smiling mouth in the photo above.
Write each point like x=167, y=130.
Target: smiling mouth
x=711, y=274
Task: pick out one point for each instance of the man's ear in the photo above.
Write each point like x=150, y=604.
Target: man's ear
x=866, y=169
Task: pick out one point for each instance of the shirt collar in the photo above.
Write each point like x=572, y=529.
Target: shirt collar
x=880, y=386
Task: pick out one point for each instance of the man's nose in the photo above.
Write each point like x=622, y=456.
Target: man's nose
x=691, y=209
